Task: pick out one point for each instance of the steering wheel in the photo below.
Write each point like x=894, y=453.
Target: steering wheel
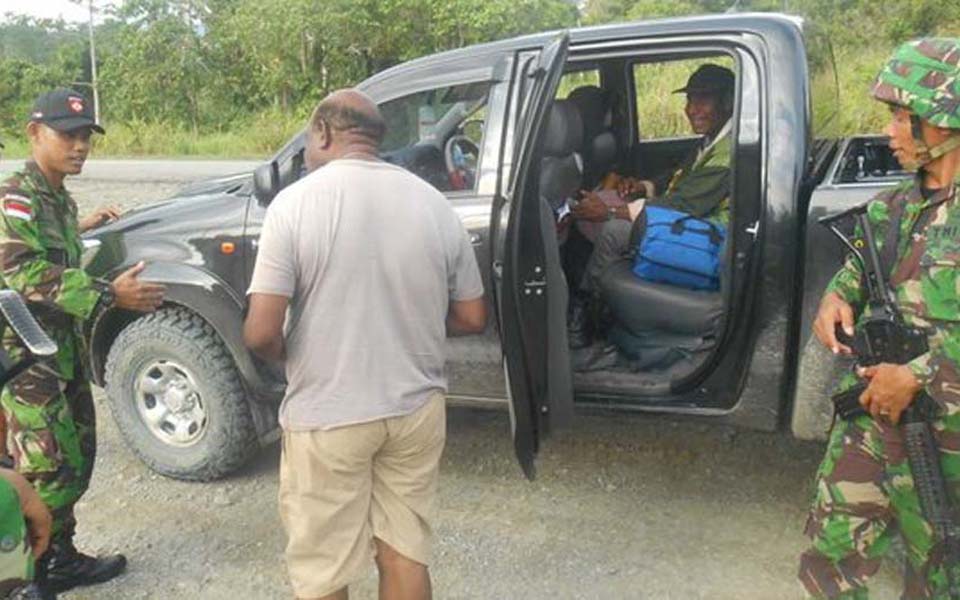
x=461, y=156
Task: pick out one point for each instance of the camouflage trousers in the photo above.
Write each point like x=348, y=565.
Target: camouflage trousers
x=16, y=557
x=864, y=496
x=51, y=436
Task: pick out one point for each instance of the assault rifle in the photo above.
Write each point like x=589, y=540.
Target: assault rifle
x=15, y=314
x=884, y=337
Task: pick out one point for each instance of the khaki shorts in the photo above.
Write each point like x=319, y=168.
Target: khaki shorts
x=342, y=487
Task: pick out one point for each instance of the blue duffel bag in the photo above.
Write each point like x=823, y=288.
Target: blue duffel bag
x=677, y=248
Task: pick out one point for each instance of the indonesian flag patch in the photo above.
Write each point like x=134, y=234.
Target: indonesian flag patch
x=17, y=207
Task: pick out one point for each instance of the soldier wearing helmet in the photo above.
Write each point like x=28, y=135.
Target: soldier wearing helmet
x=865, y=493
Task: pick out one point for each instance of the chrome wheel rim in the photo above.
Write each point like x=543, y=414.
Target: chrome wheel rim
x=169, y=403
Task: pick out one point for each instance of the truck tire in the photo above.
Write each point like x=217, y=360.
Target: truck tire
x=817, y=377
x=176, y=397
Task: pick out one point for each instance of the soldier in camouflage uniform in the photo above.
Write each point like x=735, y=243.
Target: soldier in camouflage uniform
x=49, y=408
x=864, y=491
x=25, y=523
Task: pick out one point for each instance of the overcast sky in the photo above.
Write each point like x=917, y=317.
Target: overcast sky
x=48, y=9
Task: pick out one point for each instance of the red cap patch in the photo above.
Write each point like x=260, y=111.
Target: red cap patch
x=75, y=104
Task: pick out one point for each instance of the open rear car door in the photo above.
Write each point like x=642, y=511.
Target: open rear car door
x=529, y=283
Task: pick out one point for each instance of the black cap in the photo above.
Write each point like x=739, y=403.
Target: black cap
x=64, y=110
x=709, y=79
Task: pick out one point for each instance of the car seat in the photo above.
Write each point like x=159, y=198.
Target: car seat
x=561, y=166
x=600, y=149
x=658, y=324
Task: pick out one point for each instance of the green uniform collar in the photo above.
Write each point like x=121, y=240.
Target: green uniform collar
x=32, y=170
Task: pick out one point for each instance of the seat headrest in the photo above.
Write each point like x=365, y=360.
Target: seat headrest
x=560, y=178
x=603, y=151
x=591, y=101
x=564, y=134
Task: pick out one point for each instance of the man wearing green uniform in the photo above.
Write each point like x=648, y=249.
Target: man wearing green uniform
x=49, y=408
x=25, y=523
x=865, y=492
x=701, y=187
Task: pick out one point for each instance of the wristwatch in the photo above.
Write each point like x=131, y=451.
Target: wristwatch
x=611, y=213
x=107, y=299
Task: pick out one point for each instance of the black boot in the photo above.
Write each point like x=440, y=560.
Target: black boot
x=63, y=567
x=579, y=321
x=31, y=592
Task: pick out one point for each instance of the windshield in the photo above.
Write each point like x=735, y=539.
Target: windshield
x=430, y=116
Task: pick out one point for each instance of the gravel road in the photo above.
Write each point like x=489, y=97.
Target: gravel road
x=639, y=507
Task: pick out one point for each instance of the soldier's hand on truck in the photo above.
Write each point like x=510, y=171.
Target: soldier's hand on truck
x=891, y=390
x=833, y=311
x=101, y=216
x=133, y=294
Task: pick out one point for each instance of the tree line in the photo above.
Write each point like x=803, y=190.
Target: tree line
x=204, y=64
x=207, y=66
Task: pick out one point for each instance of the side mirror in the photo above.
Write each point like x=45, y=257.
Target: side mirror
x=266, y=182
x=290, y=170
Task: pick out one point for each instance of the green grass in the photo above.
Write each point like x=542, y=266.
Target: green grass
x=660, y=111
x=14, y=147
x=258, y=137
x=857, y=112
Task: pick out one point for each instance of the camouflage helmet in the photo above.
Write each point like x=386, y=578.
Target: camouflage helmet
x=924, y=77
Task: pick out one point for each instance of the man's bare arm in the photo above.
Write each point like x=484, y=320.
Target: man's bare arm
x=263, y=328
x=35, y=512
x=466, y=317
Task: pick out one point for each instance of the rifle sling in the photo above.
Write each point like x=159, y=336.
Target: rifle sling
x=891, y=241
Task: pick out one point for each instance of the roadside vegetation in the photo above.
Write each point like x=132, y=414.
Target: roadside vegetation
x=236, y=78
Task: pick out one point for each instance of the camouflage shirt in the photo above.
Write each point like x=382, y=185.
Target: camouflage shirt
x=40, y=249
x=925, y=279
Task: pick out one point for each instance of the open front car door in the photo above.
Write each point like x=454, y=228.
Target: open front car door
x=530, y=286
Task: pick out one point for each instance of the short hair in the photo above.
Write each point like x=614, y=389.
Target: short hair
x=341, y=117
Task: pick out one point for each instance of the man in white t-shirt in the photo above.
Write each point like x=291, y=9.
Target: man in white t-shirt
x=363, y=269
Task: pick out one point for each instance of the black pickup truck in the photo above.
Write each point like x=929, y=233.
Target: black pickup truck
x=481, y=124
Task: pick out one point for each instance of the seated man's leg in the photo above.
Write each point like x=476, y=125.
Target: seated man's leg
x=612, y=243
x=574, y=254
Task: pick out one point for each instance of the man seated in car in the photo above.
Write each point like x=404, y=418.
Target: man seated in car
x=596, y=113
x=700, y=187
